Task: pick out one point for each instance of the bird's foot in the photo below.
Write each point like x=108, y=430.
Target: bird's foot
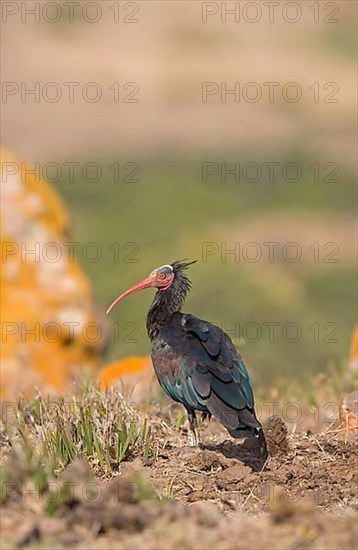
x=192, y=439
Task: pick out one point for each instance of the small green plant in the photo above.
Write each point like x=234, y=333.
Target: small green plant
x=144, y=488
x=180, y=421
x=100, y=427
x=169, y=491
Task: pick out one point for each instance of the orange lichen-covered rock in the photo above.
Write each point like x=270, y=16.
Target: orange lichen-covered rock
x=134, y=364
x=353, y=359
x=349, y=411
x=49, y=329
x=134, y=375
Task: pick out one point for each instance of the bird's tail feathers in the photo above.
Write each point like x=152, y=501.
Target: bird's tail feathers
x=238, y=422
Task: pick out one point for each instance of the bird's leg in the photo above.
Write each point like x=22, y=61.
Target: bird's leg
x=193, y=434
x=347, y=427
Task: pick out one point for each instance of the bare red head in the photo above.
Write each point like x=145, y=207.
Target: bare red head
x=160, y=278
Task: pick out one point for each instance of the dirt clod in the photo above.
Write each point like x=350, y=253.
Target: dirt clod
x=276, y=436
x=231, y=477
x=283, y=510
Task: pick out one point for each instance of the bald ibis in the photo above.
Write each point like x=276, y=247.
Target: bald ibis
x=195, y=361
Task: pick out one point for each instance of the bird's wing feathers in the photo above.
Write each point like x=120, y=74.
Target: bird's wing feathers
x=216, y=354
x=198, y=365
x=173, y=375
x=210, y=339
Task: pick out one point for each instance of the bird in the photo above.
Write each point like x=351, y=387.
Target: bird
x=195, y=361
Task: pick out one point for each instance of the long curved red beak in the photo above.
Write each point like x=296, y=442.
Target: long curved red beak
x=146, y=283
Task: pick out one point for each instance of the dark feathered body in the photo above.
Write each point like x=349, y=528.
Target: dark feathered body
x=196, y=362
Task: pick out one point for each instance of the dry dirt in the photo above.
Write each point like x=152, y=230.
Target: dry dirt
x=227, y=495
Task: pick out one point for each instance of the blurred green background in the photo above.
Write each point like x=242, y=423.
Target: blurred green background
x=170, y=212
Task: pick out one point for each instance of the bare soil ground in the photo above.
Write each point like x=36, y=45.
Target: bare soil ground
x=226, y=494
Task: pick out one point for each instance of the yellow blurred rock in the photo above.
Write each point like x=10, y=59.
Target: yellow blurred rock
x=134, y=375
x=46, y=300
x=353, y=359
x=348, y=414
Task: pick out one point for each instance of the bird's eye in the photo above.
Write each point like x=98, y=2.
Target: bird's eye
x=162, y=275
